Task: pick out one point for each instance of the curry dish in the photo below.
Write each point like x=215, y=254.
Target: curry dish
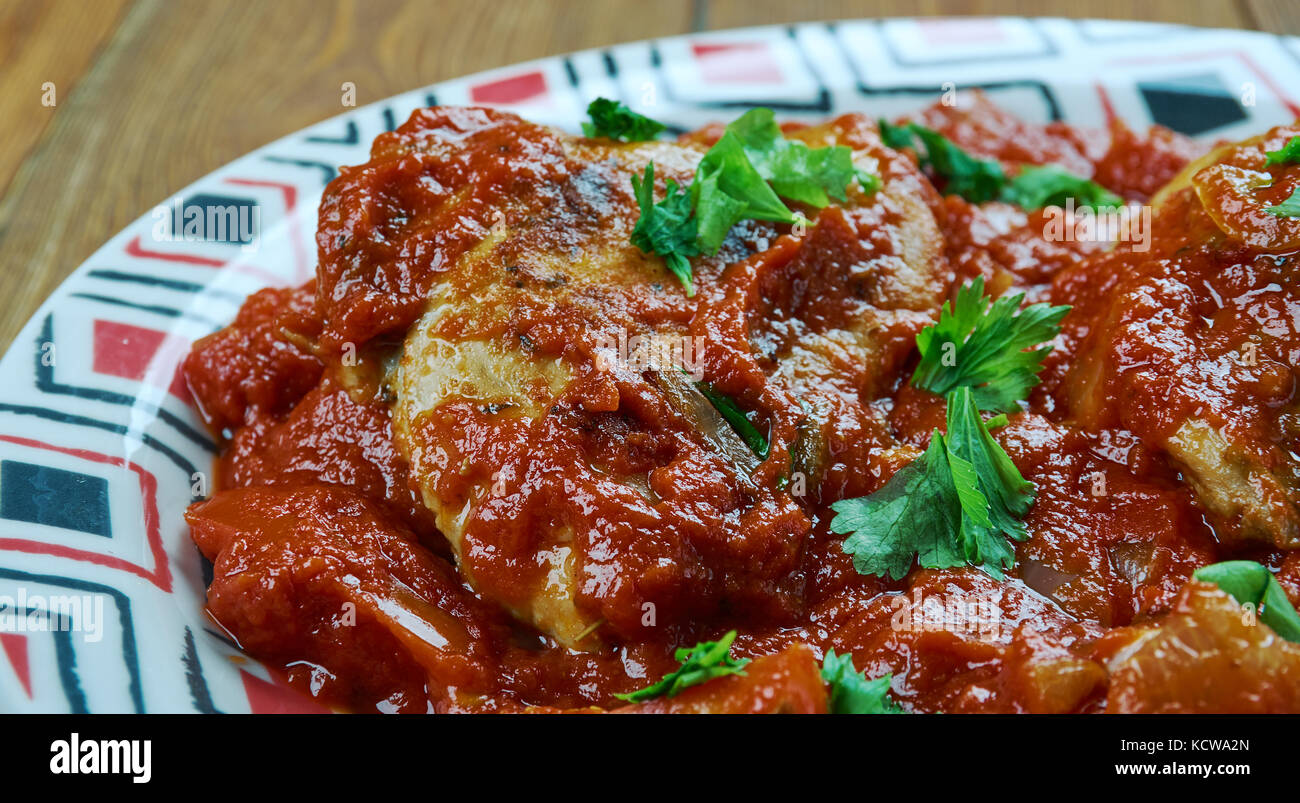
x=451, y=479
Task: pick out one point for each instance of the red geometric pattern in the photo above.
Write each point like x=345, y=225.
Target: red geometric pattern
x=736, y=63
x=136, y=249
x=302, y=266
x=15, y=647
x=277, y=697
x=515, y=89
x=130, y=352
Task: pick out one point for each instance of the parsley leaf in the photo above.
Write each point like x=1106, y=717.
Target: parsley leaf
x=742, y=177
x=737, y=419
x=1252, y=584
x=699, y=664
x=666, y=227
x=728, y=189
x=852, y=693
x=1049, y=185
x=1005, y=493
x=962, y=499
x=1288, y=208
x=978, y=180
x=613, y=120
x=808, y=175
x=895, y=136
x=916, y=513
x=982, y=346
x=869, y=182
x=1288, y=154
x=955, y=504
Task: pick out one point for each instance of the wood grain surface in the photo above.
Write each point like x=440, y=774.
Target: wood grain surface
x=151, y=95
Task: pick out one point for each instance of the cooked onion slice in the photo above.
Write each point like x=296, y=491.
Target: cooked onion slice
x=695, y=407
x=1231, y=197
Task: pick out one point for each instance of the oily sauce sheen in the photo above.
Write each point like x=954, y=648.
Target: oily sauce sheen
x=437, y=495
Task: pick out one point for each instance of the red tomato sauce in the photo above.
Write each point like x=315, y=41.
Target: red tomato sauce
x=323, y=547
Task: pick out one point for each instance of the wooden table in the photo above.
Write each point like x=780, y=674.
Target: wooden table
x=151, y=95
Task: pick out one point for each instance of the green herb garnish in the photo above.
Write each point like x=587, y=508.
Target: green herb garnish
x=1287, y=154
x=1288, y=208
x=1035, y=187
x=742, y=177
x=955, y=504
x=728, y=189
x=1252, y=584
x=981, y=345
x=1004, y=496
x=699, y=664
x=852, y=693
x=808, y=175
x=978, y=180
x=666, y=227
x=613, y=120
x=915, y=514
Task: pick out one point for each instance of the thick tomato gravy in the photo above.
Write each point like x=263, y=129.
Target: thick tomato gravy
x=328, y=565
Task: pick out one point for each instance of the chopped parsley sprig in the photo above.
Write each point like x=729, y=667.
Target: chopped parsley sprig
x=1287, y=154
x=1253, y=584
x=1037, y=186
x=743, y=176
x=613, y=120
x=811, y=176
x=982, y=345
x=666, y=227
x=957, y=503
x=852, y=693
x=699, y=664
x=963, y=500
x=976, y=180
x=979, y=180
x=1288, y=208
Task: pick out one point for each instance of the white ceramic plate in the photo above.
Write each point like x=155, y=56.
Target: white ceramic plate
x=101, y=589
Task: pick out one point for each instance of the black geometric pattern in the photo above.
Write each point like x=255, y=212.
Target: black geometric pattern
x=1191, y=104
x=54, y=497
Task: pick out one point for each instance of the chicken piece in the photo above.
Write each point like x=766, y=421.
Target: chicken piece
x=1194, y=344
x=318, y=577
x=1208, y=656
x=588, y=493
x=832, y=319
x=256, y=366
x=329, y=438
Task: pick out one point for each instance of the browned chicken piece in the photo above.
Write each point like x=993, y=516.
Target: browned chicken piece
x=1193, y=345
x=587, y=493
x=316, y=576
